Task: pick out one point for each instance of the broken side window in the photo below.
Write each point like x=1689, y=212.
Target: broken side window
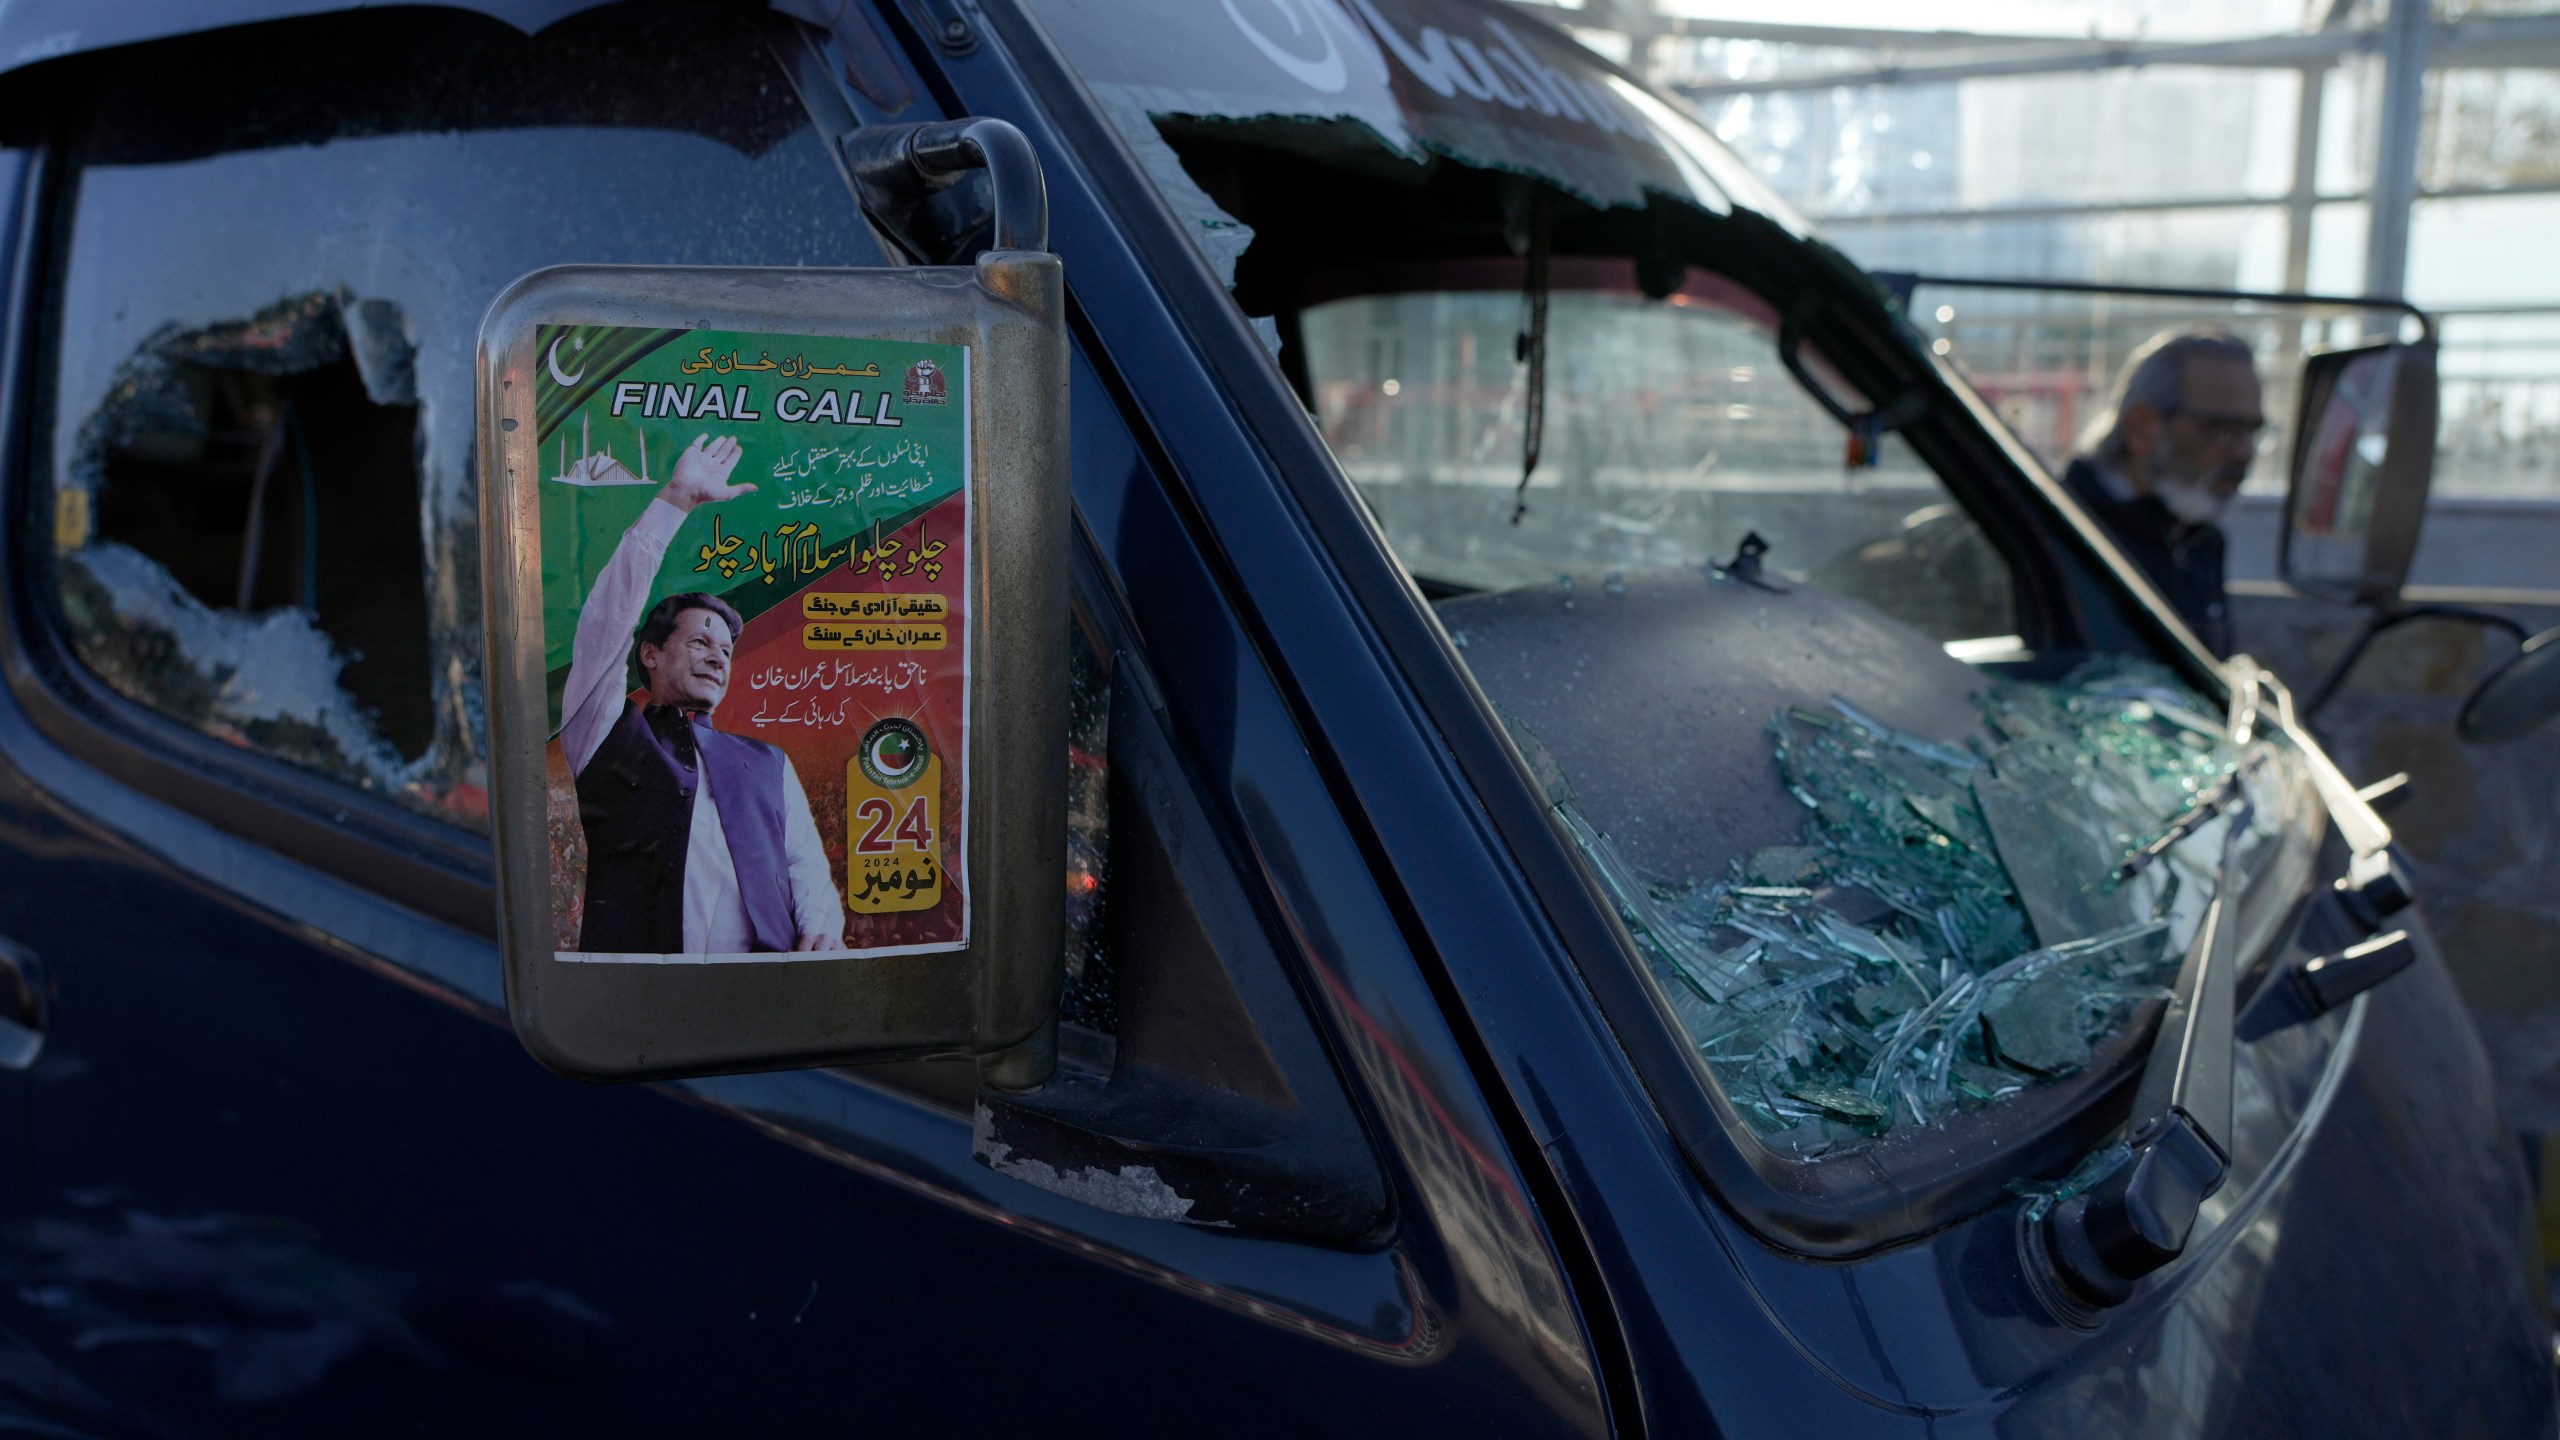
x=265, y=469
x=277, y=245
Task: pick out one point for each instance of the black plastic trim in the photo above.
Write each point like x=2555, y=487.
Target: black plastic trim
x=1221, y=1084
x=437, y=870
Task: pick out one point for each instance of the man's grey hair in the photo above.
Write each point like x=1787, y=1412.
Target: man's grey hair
x=2156, y=375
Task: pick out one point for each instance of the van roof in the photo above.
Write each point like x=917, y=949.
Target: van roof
x=1475, y=81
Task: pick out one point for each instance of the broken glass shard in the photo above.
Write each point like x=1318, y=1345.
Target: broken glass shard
x=2097, y=1165
x=1956, y=922
x=1842, y=1103
x=2054, y=863
x=2036, y=1028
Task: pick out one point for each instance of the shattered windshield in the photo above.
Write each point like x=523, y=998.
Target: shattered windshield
x=1742, y=636
x=1952, y=923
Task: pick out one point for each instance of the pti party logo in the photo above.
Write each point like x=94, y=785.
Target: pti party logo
x=924, y=383
x=893, y=753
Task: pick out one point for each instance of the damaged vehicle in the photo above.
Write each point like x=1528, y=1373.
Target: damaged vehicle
x=1632, y=863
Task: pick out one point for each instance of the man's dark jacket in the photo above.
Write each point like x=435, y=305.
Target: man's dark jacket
x=2184, y=560
x=636, y=800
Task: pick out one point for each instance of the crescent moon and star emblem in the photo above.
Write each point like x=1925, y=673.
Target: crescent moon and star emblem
x=551, y=362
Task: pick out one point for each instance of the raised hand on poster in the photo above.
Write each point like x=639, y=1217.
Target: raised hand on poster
x=702, y=474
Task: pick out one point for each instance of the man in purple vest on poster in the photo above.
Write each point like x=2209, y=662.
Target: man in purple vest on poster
x=667, y=873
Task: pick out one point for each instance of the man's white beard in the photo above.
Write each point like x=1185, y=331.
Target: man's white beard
x=2190, y=497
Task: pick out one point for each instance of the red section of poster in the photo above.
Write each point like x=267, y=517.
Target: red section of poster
x=860, y=645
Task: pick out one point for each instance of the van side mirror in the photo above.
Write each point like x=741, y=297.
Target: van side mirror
x=776, y=601
x=2363, y=457
x=2363, y=453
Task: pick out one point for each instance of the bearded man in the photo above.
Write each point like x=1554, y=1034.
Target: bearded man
x=2161, y=463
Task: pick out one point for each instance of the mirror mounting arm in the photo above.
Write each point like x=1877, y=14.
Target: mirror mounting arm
x=1899, y=285
x=2517, y=696
x=2329, y=685
x=901, y=170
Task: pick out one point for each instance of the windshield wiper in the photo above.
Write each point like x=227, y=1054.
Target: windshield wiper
x=2377, y=885
x=2207, y=805
x=2101, y=1243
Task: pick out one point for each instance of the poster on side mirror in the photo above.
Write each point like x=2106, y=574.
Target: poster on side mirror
x=755, y=571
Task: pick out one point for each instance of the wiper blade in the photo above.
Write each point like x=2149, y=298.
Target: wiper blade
x=2100, y=1244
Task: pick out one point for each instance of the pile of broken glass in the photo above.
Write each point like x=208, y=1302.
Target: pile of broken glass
x=1958, y=922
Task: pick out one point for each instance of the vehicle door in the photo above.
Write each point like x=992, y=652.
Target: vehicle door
x=282, y=1168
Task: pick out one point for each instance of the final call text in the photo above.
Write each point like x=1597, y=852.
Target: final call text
x=659, y=400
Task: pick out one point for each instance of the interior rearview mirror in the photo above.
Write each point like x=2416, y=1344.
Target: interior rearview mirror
x=2363, y=453
x=775, y=584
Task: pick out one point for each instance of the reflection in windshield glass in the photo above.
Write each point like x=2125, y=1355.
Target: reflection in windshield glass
x=1956, y=922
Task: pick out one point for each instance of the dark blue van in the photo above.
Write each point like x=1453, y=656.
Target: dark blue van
x=1634, y=863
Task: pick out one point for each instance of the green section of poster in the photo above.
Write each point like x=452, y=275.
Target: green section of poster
x=840, y=438
x=756, y=619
